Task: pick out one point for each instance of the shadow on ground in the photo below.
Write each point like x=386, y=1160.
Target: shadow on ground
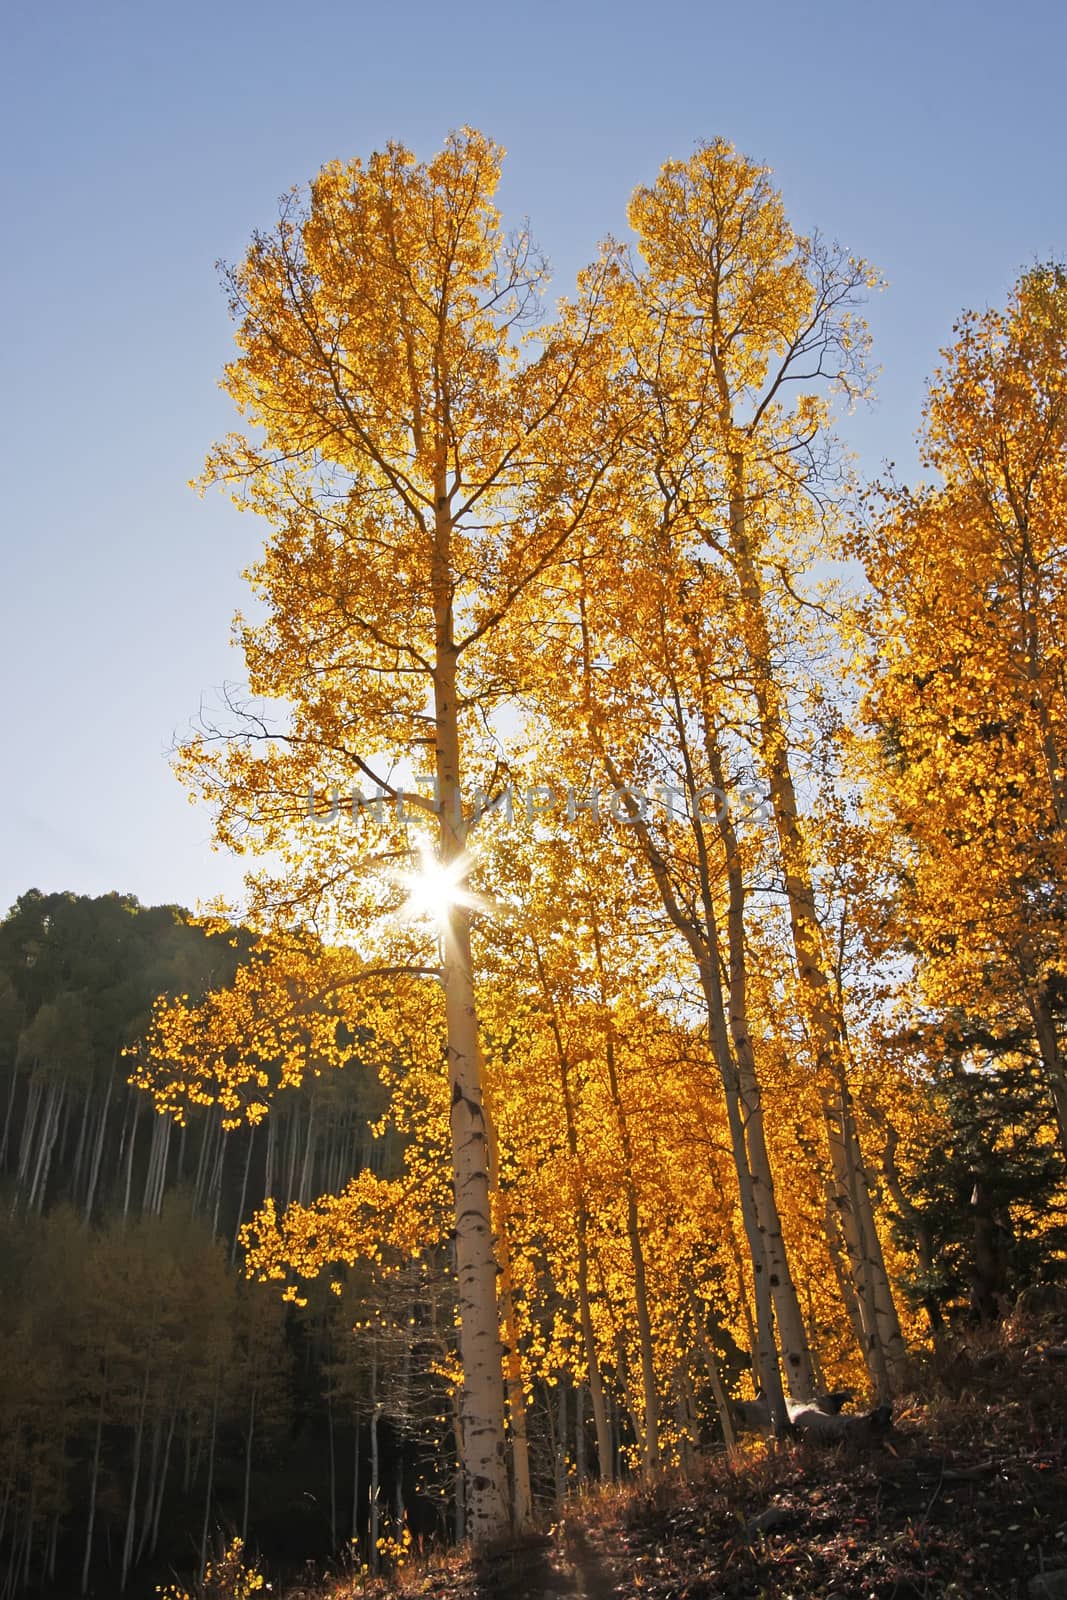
x=544, y=1568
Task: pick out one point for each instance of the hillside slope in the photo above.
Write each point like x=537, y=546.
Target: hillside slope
x=967, y=1499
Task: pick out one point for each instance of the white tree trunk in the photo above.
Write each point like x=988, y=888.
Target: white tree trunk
x=482, y=1399
x=884, y=1349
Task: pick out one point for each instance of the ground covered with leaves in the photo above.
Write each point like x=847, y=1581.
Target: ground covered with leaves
x=966, y=1497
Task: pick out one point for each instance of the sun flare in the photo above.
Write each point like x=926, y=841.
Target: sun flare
x=436, y=888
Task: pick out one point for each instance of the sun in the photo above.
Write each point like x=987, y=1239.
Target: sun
x=436, y=888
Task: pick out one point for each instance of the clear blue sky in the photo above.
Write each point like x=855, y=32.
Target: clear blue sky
x=142, y=141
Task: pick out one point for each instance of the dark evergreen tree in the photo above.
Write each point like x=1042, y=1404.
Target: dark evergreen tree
x=988, y=1197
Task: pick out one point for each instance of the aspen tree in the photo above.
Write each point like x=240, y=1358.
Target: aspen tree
x=966, y=662
x=759, y=322
x=398, y=435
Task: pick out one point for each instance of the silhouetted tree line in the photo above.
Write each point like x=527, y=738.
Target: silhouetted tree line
x=150, y=1396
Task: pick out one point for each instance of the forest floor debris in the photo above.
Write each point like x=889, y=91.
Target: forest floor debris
x=966, y=1499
